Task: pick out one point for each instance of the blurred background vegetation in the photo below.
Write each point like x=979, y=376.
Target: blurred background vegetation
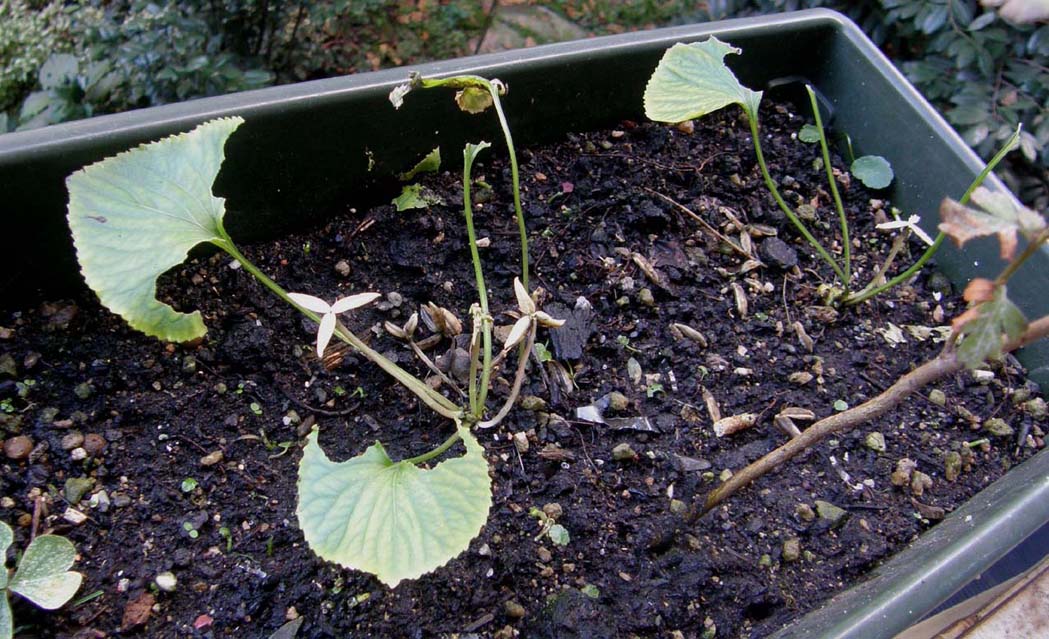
x=63, y=60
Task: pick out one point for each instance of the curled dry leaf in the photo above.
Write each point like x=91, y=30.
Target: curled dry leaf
x=441, y=320
x=787, y=425
x=473, y=100
x=684, y=331
x=978, y=291
x=803, y=337
x=741, y=299
x=1001, y=216
x=712, y=405
x=734, y=424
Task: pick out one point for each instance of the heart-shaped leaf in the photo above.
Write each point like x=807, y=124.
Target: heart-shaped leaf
x=1001, y=215
x=693, y=80
x=873, y=170
x=392, y=519
x=137, y=214
x=43, y=575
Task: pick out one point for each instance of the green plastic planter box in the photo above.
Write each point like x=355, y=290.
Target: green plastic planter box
x=306, y=147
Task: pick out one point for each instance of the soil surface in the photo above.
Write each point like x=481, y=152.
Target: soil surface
x=156, y=458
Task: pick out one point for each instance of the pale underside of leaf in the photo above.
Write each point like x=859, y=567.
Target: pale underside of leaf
x=392, y=519
x=6, y=537
x=43, y=575
x=7, y=624
x=693, y=80
x=137, y=214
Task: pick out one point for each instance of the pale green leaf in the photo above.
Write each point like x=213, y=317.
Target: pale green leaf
x=392, y=519
x=473, y=99
x=416, y=196
x=6, y=537
x=693, y=80
x=429, y=164
x=43, y=575
x=809, y=134
x=7, y=623
x=983, y=337
x=873, y=170
x=137, y=214
x=559, y=535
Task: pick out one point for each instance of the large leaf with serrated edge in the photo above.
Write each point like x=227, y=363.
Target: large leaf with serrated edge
x=137, y=214
x=693, y=80
x=392, y=519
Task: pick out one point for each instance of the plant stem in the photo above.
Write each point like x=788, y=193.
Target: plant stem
x=833, y=186
x=946, y=363
x=871, y=290
x=478, y=393
x=463, y=81
x=522, y=361
x=439, y=403
x=1029, y=250
x=752, y=119
x=445, y=445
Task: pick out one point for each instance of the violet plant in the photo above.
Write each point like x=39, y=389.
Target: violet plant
x=692, y=80
x=43, y=576
x=137, y=214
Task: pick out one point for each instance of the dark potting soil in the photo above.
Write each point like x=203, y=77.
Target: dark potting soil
x=183, y=458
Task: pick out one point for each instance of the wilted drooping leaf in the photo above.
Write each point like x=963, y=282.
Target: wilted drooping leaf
x=991, y=320
x=473, y=99
x=693, y=80
x=416, y=196
x=873, y=170
x=1001, y=215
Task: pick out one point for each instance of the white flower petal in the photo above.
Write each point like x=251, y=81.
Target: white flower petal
x=310, y=303
x=524, y=301
x=517, y=333
x=324, y=333
x=354, y=301
x=548, y=321
x=897, y=224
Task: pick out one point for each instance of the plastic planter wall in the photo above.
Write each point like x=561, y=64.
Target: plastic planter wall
x=306, y=147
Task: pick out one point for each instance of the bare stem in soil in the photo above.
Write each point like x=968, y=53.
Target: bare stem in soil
x=946, y=363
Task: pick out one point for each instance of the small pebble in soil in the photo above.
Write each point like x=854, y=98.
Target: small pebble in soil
x=342, y=268
x=875, y=441
x=902, y=475
x=829, y=512
x=623, y=452
x=83, y=390
x=72, y=440
x=74, y=516
x=952, y=465
x=998, y=427
x=166, y=581
x=778, y=254
x=532, y=403
x=94, y=444
x=1036, y=408
x=18, y=447
x=618, y=402
x=791, y=549
x=937, y=396
x=544, y=554
x=553, y=510
x=920, y=482
x=804, y=512
x=521, y=442
x=76, y=487
x=515, y=610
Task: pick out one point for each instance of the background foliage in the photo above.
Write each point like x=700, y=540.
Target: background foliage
x=62, y=60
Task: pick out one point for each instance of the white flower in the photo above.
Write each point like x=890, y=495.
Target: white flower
x=326, y=328
x=529, y=314
x=910, y=223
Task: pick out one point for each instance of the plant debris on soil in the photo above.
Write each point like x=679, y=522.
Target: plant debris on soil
x=173, y=467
